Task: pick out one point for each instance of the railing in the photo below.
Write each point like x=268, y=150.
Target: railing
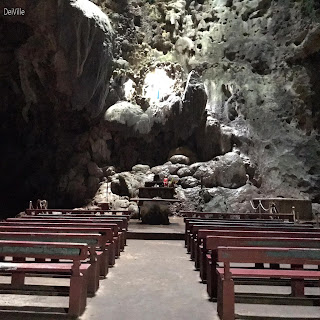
x=272, y=209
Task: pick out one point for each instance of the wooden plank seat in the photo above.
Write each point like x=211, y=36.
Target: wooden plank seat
x=95, y=241
x=122, y=223
x=213, y=225
x=293, y=256
x=78, y=272
x=94, y=217
x=75, y=211
x=192, y=241
x=125, y=218
x=203, y=251
x=213, y=242
x=114, y=226
x=245, y=215
x=108, y=251
x=191, y=223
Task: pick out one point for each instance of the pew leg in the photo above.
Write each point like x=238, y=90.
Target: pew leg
x=226, y=299
x=297, y=285
x=77, y=295
x=196, y=257
x=211, y=280
x=17, y=279
x=111, y=250
x=185, y=238
x=93, y=278
x=193, y=243
x=202, y=259
x=188, y=243
x=116, y=244
x=121, y=242
x=104, y=263
x=297, y=288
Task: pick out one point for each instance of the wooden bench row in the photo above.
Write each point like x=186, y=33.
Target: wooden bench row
x=76, y=212
x=209, y=241
x=81, y=248
x=241, y=215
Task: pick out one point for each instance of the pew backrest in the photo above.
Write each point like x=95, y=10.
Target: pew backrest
x=42, y=250
x=92, y=239
x=213, y=242
x=107, y=232
x=269, y=255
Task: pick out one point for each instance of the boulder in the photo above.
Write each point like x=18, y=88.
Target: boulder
x=220, y=199
x=143, y=168
x=230, y=171
x=162, y=170
x=128, y=183
x=189, y=182
x=179, y=158
x=184, y=172
x=173, y=168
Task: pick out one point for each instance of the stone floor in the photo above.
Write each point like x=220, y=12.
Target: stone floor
x=176, y=226
x=153, y=280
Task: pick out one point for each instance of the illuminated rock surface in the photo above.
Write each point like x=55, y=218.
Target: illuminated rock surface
x=235, y=83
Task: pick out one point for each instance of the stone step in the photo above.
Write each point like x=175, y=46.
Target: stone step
x=155, y=235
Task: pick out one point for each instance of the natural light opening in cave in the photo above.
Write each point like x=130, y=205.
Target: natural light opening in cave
x=128, y=89
x=157, y=85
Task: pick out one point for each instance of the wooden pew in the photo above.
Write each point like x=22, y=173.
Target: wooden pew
x=114, y=226
x=192, y=242
x=213, y=242
x=74, y=211
x=189, y=222
x=245, y=215
x=203, y=234
x=256, y=226
x=109, y=250
x=95, y=241
x=77, y=271
x=74, y=216
x=226, y=295
x=192, y=221
x=123, y=225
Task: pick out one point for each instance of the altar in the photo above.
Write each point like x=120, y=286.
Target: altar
x=154, y=210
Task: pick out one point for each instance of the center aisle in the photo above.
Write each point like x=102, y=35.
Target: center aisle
x=153, y=280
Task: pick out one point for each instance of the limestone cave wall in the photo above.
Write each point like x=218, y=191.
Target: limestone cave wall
x=230, y=109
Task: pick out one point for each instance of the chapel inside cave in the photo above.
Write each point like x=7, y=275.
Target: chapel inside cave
x=219, y=96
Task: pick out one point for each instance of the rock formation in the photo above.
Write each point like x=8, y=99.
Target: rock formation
x=219, y=95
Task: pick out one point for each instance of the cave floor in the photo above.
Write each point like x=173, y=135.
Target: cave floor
x=152, y=280
x=174, y=231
